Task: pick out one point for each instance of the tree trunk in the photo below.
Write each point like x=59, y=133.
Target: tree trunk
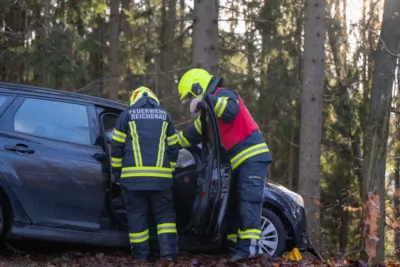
x=205, y=35
x=377, y=132
x=184, y=112
x=126, y=28
x=364, y=39
x=113, y=52
x=96, y=67
x=167, y=61
x=124, y=23
x=344, y=230
x=14, y=36
x=296, y=93
x=46, y=15
x=396, y=198
x=311, y=114
x=337, y=24
x=291, y=158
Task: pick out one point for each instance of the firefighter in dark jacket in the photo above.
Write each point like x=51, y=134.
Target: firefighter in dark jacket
x=247, y=149
x=144, y=151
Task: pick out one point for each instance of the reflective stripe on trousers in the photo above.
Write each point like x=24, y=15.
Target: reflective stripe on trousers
x=135, y=238
x=168, y=238
x=252, y=235
x=166, y=228
x=232, y=237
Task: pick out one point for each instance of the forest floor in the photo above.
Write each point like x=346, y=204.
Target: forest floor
x=51, y=255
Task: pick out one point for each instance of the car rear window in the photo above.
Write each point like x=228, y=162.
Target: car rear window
x=53, y=119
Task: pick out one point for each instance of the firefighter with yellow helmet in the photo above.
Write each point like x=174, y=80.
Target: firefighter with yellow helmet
x=144, y=151
x=247, y=149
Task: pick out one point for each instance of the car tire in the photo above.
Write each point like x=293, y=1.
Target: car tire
x=273, y=234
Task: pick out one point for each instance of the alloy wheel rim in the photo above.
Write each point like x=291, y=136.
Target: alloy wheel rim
x=269, y=237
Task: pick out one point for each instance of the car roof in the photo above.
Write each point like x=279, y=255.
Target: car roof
x=59, y=94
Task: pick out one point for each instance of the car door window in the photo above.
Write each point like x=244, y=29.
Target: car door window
x=108, y=121
x=53, y=119
x=2, y=100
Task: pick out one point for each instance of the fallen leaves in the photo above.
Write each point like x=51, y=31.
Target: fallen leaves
x=105, y=257
x=350, y=208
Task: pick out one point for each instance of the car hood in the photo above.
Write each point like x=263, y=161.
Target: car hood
x=287, y=201
x=278, y=191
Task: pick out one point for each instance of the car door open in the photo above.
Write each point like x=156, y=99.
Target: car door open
x=214, y=178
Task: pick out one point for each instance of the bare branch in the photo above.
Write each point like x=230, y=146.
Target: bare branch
x=177, y=37
x=384, y=45
x=394, y=110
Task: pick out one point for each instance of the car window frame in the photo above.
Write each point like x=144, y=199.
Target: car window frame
x=20, y=99
x=9, y=99
x=99, y=111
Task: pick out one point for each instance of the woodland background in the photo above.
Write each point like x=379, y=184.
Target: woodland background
x=321, y=79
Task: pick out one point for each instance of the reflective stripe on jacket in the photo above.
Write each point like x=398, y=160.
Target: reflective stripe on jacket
x=227, y=106
x=144, y=147
x=242, y=125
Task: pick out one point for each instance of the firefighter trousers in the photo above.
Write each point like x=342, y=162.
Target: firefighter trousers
x=138, y=204
x=245, y=206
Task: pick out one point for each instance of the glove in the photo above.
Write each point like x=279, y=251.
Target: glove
x=194, y=103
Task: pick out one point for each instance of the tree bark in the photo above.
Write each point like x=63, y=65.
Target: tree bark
x=378, y=129
x=184, y=112
x=113, y=52
x=396, y=199
x=396, y=196
x=14, y=36
x=311, y=114
x=291, y=158
x=167, y=61
x=205, y=35
x=46, y=15
x=344, y=230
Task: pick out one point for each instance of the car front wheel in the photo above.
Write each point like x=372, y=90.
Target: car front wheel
x=273, y=235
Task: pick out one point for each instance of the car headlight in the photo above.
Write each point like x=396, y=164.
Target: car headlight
x=294, y=196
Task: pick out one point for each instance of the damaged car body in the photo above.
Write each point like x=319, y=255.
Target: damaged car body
x=56, y=184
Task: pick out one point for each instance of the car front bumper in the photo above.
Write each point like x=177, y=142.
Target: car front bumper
x=303, y=242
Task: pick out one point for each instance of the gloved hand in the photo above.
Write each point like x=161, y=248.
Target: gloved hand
x=194, y=103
